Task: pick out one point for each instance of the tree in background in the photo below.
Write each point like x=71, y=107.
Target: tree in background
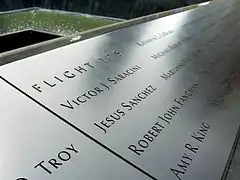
x=8, y=4
x=46, y=3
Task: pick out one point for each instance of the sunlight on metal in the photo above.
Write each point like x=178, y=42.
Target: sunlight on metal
x=203, y=4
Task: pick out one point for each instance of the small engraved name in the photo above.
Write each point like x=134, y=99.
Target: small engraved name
x=171, y=47
x=229, y=84
x=167, y=75
x=154, y=38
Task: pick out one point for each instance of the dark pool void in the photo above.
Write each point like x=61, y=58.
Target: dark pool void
x=20, y=39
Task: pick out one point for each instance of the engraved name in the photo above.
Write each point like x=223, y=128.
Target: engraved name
x=99, y=89
x=172, y=47
x=58, y=161
x=167, y=75
x=229, y=83
x=191, y=150
x=163, y=121
x=154, y=38
x=119, y=113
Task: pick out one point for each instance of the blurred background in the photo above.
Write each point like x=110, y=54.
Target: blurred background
x=125, y=9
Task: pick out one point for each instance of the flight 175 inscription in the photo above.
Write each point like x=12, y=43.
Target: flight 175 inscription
x=160, y=96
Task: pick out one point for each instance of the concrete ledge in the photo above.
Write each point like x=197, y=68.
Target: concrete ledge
x=61, y=12
x=19, y=10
